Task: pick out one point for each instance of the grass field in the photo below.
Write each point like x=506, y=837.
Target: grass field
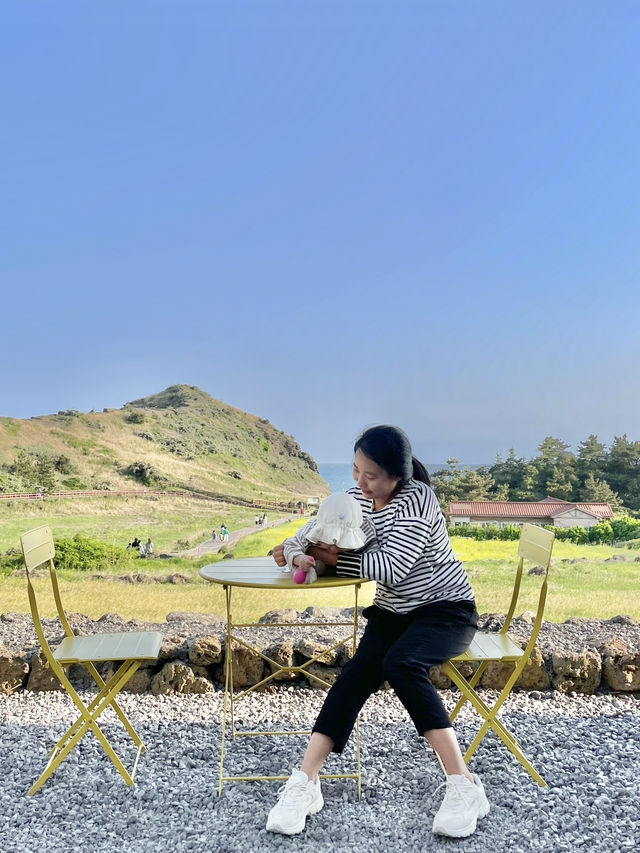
x=594, y=588
x=118, y=519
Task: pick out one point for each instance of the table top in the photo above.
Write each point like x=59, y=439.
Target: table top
x=263, y=572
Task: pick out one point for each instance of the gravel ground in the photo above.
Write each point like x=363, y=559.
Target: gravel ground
x=588, y=748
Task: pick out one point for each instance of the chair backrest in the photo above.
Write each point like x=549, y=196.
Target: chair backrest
x=37, y=547
x=38, y=550
x=535, y=544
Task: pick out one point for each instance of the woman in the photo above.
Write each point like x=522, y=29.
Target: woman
x=423, y=614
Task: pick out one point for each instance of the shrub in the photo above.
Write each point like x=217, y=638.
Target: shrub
x=510, y=532
x=10, y=562
x=576, y=534
x=63, y=464
x=480, y=532
x=74, y=483
x=634, y=544
x=134, y=418
x=625, y=527
x=82, y=554
x=144, y=473
x=602, y=532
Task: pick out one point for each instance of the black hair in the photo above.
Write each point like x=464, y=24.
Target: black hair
x=390, y=448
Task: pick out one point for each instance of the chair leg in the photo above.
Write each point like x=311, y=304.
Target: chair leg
x=104, y=689
x=86, y=721
x=116, y=707
x=475, y=678
x=490, y=718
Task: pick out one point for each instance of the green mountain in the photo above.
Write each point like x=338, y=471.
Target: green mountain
x=181, y=438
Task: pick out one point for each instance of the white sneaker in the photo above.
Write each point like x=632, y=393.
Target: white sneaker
x=298, y=798
x=464, y=802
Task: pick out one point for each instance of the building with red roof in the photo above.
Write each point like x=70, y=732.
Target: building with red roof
x=549, y=510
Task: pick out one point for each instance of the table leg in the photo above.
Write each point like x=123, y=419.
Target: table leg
x=355, y=643
x=228, y=687
x=230, y=660
x=229, y=699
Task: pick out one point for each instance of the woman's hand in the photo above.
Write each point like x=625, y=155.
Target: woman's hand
x=327, y=554
x=278, y=555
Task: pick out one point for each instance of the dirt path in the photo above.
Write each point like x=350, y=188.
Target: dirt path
x=212, y=546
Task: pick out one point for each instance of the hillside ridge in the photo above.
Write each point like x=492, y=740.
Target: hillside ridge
x=180, y=437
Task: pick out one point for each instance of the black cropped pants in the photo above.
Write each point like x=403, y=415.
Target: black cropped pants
x=399, y=649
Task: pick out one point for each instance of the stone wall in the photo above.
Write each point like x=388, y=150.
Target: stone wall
x=578, y=655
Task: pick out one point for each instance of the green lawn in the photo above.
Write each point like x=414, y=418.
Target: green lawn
x=594, y=588
x=118, y=519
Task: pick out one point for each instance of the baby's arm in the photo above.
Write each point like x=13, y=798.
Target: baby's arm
x=295, y=546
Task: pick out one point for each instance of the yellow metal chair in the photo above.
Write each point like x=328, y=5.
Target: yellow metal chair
x=535, y=544
x=130, y=649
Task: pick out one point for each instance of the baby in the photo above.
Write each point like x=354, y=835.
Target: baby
x=339, y=522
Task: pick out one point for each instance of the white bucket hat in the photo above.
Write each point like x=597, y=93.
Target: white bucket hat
x=339, y=522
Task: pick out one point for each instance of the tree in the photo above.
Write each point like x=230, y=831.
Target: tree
x=25, y=468
x=443, y=483
x=560, y=483
x=474, y=484
x=597, y=490
x=526, y=490
x=555, y=469
x=592, y=455
x=508, y=475
x=468, y=484
x=45, y=473
x=622, y=471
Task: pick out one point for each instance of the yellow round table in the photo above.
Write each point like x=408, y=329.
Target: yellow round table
x=263, y=573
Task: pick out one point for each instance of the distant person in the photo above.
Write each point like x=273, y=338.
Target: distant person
x=148, y=547
x=264, y=520
x=257, y=520
x=213, y=535
x=135, y=544
x=141, y=550
x=224, y=533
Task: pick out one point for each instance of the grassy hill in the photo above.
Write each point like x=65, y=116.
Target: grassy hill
x=181, y=438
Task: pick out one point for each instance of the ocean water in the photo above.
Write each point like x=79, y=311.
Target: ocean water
x=338, y=475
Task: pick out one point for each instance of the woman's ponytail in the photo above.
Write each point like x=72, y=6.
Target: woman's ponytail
x=420, y=472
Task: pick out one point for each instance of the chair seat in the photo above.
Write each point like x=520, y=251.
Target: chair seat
x=140, y=645
x=487, y=646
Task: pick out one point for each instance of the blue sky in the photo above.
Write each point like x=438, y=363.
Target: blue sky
x=331, y=214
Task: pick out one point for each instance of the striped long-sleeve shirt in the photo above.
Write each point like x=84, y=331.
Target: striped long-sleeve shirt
x=413, y=562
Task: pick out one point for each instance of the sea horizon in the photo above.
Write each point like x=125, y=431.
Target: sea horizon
x=338, y=474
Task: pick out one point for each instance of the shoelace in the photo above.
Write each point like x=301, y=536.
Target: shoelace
x=293, y=792
x=453, y=791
